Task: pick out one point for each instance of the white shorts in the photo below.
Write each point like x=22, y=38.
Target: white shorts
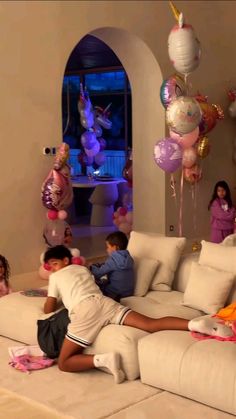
x=91, y=315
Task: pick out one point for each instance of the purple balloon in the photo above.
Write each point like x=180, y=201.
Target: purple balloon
x=97, y=130
x=100, y=159
x=85, y=160
x=102, y=143
x=88, y=140
x=168, y=155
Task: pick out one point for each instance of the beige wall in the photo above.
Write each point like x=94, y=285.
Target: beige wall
x=36, y=41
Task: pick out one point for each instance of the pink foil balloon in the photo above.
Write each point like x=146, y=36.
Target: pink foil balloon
x=193, y=175
x=185, y=140
x=189, y=157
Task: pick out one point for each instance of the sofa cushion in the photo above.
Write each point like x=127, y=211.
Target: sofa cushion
x=151, y=308
x=19, y=323
x=144, y=269
x=20, y=317
x=165, y=249
x=183, y=271
x=122, y=339
x=207, y=288
x=220, y=257
x=204, y=370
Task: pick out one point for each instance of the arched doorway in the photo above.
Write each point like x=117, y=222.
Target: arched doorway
x=148, y=125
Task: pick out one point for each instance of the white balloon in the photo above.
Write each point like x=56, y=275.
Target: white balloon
x=75, y=252
x=183, y=114
x=184, y=49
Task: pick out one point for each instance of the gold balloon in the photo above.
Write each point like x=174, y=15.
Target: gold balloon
x=203, y=147
x=196, y=246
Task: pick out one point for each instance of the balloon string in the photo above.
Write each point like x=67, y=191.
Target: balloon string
x=181, y=205
x=172, y=185
x=195, y=209
x=186, y=83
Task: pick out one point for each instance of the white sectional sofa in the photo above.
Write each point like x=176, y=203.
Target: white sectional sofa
x=204, y=371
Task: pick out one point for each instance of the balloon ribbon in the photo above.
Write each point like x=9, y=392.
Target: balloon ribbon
x=181, y=205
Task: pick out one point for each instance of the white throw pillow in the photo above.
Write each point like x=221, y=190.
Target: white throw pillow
x=144, y=269
x=207, y=288
x=165, y=249
x=218, y=256
x=229, y=240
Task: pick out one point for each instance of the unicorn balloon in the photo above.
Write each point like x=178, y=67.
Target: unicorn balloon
x=183, y=46
x=93, y=121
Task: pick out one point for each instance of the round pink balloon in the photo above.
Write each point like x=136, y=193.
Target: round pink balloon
x=189, y=157
x=52, y=215
x=123, y=211
x=185, y=140
x=62, y=214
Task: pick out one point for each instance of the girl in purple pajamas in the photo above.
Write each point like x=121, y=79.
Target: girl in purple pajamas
x=222, y=212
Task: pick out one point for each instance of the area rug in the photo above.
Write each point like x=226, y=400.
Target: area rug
x=86, y=395
x=166, y=405
x=14, y=406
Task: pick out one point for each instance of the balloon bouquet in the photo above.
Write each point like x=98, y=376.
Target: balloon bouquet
x=57, y=195
x=93, y=121
x=123, y=216
x=232, y=113
x=189, y=118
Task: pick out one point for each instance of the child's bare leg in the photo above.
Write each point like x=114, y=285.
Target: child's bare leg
x=149, y=324
x=203, y=324
x=71, y=359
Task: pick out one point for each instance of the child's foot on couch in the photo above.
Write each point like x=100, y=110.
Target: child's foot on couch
x=210, y=326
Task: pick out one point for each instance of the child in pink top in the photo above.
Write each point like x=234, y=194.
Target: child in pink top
x=222, y=212
x=4, y=276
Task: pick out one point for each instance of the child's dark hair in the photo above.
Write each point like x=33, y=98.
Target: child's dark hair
x=6, y=267
x=57, y=252
x=225, y=186
x=118, y=239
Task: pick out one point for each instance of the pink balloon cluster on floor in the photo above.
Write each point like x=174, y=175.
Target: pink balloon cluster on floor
x=54, y=215
x=44, y=269
x=123, y=219
x=57, y=195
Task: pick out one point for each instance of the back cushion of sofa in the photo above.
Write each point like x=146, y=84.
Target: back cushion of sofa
x=165, y=249
x=183, y=271
x=220, y=257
